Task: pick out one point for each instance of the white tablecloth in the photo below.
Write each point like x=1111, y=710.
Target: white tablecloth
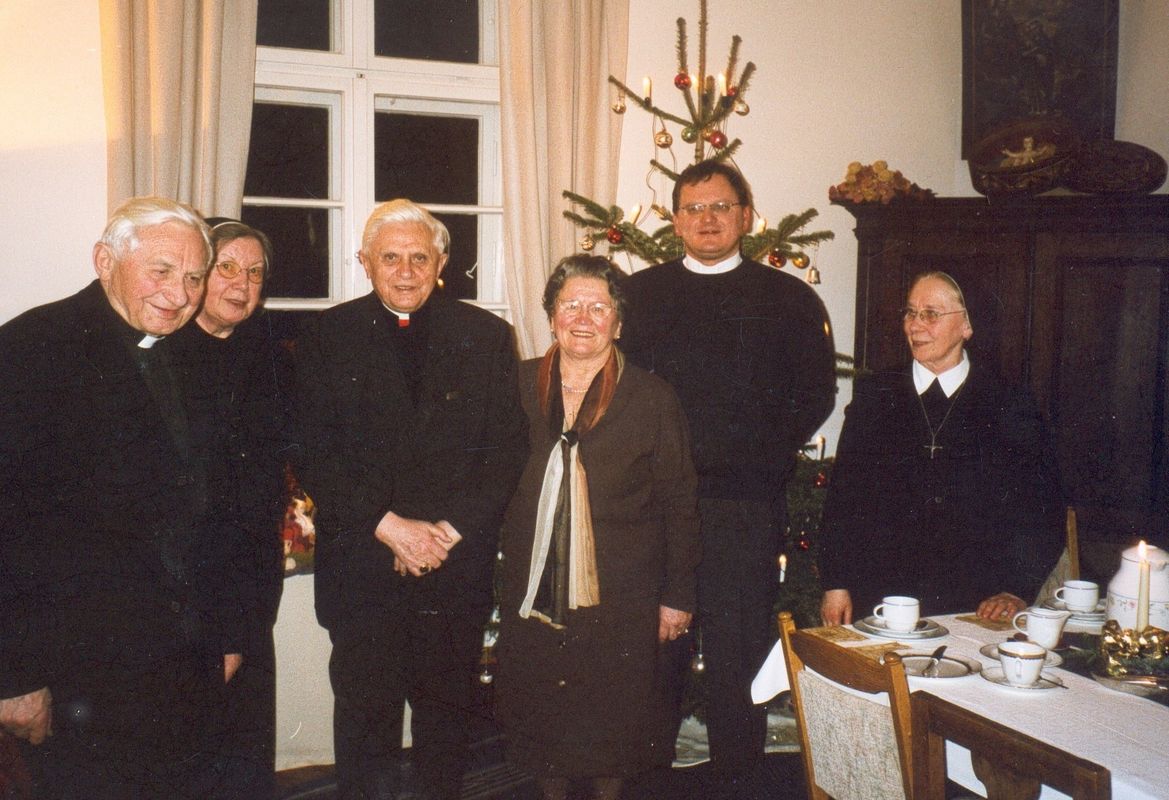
x=1127, y=734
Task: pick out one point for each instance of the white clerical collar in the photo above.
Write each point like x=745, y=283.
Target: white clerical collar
x=694, y=265
x=950, y=380
x=148, y=341
x=403, y=316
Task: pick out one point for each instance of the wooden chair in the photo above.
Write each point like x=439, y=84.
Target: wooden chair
x=852, y=747
x=1010, y=764
x=1068, y=566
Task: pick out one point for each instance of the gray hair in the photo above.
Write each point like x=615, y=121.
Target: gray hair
x=229, y=230
x=405, y=211
x=121, y=233
x=582, y=266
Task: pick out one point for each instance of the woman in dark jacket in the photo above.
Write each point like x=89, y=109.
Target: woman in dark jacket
x=600, y=548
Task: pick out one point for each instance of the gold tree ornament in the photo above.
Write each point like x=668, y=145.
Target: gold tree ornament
x=619, y=104
x=663, y=139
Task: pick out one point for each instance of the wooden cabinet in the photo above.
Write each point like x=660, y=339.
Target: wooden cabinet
x=1067, y=295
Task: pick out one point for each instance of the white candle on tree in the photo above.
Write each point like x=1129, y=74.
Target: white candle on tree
x=782, y=567
x=1143, y=589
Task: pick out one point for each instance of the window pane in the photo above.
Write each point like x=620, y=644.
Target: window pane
x=289, y=152
x=300, y=245
x=464, y=230
x=301, y=24
x=428, y=159
x=435, y=30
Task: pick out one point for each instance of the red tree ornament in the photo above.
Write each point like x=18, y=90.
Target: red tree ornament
x=718, y=139
x=682, y=80
x=614, y=236
x=776, y=258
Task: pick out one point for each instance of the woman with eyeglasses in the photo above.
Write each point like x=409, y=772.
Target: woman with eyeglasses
x=600, y=547
x=233, y=358
x=944, y=486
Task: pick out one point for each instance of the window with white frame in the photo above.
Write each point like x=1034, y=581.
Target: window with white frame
x=361, y=101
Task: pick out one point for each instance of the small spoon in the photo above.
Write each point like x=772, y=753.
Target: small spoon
x=931, y=669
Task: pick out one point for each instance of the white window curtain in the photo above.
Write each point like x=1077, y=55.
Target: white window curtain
x=558, y=133
x=178, y=78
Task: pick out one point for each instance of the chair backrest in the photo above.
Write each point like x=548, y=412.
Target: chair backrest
x=1012, y=765
x=1067, y=568
x=852, y=747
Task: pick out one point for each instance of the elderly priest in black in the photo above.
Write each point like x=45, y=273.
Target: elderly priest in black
x=944, y=488
x=119, y=626
x=414, y=441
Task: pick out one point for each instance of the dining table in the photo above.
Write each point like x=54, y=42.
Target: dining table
x=1126, y=733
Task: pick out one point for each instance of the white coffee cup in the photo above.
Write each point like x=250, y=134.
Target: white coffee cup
x=1022, y=662
x=900, y=614
x=1079, y=595
x=1043, y=625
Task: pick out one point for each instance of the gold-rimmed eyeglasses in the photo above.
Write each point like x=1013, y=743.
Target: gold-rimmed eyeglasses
x=926, y=315
x=229, y=269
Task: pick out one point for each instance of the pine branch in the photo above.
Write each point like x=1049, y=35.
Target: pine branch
x=702, y=26
x=669, y=173
x=683, y=68
x=745, y=79
x=733, y=58
x=794, y=222
x=582, y=222
x=598, y=211
x=815, y=237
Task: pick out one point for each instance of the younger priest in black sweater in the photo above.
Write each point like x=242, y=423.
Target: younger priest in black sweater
x=749, y=351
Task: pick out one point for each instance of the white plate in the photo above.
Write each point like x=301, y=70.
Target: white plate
x=1081, y=616
x=1046, y=680
x=948, y=666
x=1053, y=659
x=926, y=629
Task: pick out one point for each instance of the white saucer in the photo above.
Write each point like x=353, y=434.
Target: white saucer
x=1081, y=616
x=926, y=629
x=1046, y=680
x=948, y=666
x=1053, y=658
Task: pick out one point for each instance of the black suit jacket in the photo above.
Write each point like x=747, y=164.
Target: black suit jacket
x=112, y=559
x=455, y=454
x=984, y=516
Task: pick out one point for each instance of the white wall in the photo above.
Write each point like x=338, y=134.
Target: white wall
x=837, y=81
x=851, y=80
x=52, y=149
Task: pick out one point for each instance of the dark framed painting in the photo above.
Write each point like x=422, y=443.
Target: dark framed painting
x=1026, y=59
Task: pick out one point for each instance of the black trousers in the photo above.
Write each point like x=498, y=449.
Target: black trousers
x=247, y=729
x=134, y=732
x=379, y=662
x=737, y=586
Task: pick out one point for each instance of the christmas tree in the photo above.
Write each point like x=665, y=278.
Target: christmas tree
x=712, y=101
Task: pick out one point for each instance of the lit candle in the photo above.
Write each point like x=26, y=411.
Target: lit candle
x=1143, y=589
x=782, y=567
x=761, y=225
x=634, y=213
x=722, y=84
x=647, y=88
x=820, y=442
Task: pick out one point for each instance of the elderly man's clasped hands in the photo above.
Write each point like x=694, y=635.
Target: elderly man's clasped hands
x=419, y=546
